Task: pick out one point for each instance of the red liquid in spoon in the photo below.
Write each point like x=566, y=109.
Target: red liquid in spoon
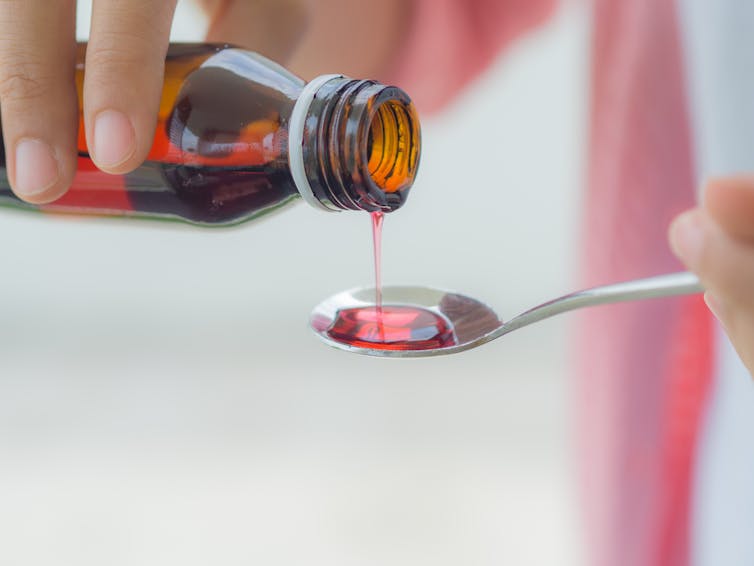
x=390, y=327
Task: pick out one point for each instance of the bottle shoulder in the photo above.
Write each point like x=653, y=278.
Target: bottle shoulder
x=254, y=68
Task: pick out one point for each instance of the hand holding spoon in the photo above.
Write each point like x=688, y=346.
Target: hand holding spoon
x=473, y=322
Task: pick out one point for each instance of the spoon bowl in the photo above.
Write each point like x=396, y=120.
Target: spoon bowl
x=475, y=323
x=469, y=318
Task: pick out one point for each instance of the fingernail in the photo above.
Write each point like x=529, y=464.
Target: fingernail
x=36, y=167
x=686, y=235
x=114, y=138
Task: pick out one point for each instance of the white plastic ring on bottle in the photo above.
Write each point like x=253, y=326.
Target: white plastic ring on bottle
x=296, y=141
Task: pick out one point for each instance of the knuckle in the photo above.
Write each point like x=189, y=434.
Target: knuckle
x=20, y=82
x=116, y=68
x=129, y=50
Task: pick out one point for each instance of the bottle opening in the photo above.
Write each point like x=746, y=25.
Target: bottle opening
x=393, y=146
x=360, y=143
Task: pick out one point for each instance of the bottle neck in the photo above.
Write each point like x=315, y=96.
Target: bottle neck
x=354, y=145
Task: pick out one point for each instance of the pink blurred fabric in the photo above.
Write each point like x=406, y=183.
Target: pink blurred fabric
x=451, y=41
x=645, y=369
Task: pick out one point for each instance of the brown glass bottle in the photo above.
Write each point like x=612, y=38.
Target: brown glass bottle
x=239, y=136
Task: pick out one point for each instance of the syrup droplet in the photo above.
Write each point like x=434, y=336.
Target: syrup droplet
x=392, y=328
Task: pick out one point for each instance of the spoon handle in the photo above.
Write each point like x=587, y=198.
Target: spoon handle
x=683, y=283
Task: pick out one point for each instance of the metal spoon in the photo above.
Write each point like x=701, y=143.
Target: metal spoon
x=475, y=323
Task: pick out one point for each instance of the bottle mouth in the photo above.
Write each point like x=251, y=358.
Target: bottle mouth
x=354, y=145
x=392, y=147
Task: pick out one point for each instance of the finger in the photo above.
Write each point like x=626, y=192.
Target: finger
x=273, y=28
x=212, y=8
x=730, y=202
x=738, y=324
x=724, y=264
x=125, y=63
x=38, y=96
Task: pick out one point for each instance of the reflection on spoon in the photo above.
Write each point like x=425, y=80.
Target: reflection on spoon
x=349, y=321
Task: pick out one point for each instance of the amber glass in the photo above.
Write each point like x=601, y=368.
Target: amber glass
x=364, y=152
x=220, y=150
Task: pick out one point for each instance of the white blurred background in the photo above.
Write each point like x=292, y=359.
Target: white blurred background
x=162, y=400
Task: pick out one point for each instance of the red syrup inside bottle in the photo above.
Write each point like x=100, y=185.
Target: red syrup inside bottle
x=390, y=327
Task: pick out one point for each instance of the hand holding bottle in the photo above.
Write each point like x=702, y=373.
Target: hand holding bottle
x=125, y=60
x=124, y=72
